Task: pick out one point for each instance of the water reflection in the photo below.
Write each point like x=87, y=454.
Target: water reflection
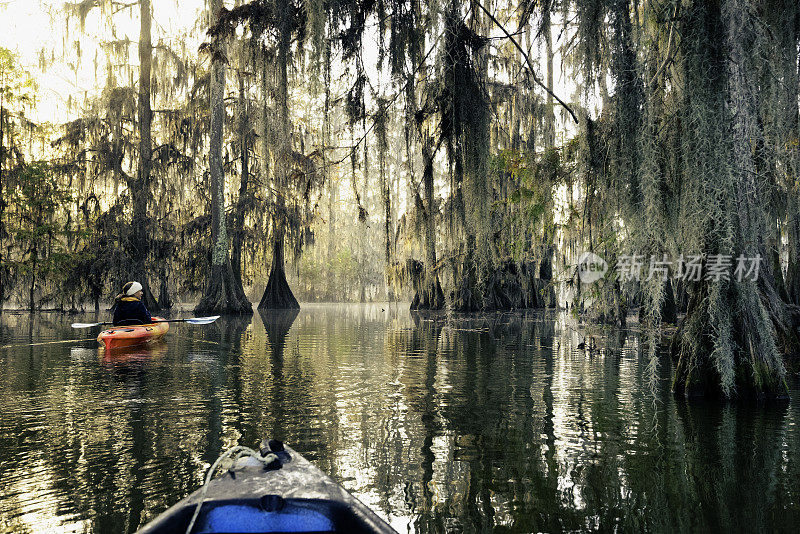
x=523, y=422
x=137, y=356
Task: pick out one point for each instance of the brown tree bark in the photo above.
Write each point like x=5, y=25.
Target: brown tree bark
x=244, y=157
x=432, y=296
x=278, y=294
x=2, y=191
x=139, y=185
x=224, y=292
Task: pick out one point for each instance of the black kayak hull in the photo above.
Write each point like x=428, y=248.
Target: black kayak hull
x=297, y=497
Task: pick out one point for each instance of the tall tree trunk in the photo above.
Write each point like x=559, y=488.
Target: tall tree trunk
x=628, y=103
x=428, y=290
x=278, y=294
x=520, y=91
x=224, y=293
x=530, y=106
x=139, y=186
x=164, y=300
x=432, y=297
x=2, y=192
x=793, y=267
x=381, y=126
x=387, y=226
x=330, y=289
x=790, y=35
x=265, y=112
x=244, y=156
x=32, y=288
x=729, y=344
x=332, y=283
x=549, y=114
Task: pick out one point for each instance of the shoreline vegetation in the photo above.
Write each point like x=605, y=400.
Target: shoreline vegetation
x=457, y=155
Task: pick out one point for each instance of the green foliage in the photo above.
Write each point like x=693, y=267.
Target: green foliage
x=686, y=144
x=528, y=209
x=16, y=85
x=37, y=198
x=17, y=92
x=343, y=278
x=36, y=229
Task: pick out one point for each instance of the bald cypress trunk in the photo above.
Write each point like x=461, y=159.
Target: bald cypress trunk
x=265, y=112
x=224, y=292
x=731, y=340
x=244, y=157
x=793, y=267
x=332, y=289
x=788, y=114
x=139, y=186
x=278, y=294
x=331, y=286
x=2, y=191
x=549, y=117
x=432, y=296
x=546, y=263
x=381, y=121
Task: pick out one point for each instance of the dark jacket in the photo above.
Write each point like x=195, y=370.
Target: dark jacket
x=130, y=311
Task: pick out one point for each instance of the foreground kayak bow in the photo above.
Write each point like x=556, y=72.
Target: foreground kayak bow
x=274, y=490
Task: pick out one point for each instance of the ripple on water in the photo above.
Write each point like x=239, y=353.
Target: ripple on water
x=481, y=422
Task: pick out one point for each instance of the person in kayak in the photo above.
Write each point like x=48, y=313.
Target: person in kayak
x=129, y=308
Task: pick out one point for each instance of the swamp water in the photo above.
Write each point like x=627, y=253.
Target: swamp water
x=497, y=422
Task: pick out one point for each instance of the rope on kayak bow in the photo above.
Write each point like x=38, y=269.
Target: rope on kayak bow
x=232, y=455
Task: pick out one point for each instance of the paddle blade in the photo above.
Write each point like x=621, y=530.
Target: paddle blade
x=85, y=325
x=202, y=320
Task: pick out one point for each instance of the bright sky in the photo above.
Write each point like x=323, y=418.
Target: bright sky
x=29, y=27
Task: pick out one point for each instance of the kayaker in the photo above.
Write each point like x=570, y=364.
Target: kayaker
x=129, y=308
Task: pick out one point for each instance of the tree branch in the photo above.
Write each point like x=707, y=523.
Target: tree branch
x=528, y=61
x=667, y=57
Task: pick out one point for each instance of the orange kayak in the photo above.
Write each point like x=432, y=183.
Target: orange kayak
x=127, y=336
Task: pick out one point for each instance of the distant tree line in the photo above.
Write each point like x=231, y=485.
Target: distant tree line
x=391, y=146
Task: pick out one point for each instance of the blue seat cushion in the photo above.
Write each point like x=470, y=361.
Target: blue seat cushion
x=243, y=518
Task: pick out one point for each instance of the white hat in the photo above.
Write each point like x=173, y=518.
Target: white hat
x=135, y=286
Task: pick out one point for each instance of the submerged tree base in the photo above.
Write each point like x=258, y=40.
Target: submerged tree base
x=428, y=294
x=164, y=301
x=705, y=370
x=509, y=286
x=278, y=295
x=224, y=293
x=431, y=297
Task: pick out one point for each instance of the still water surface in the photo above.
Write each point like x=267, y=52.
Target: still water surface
x=465, y=424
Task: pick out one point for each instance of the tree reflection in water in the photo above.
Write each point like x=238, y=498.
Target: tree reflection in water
x=440, y=423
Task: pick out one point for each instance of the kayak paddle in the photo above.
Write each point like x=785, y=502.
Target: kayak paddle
x=191, y=320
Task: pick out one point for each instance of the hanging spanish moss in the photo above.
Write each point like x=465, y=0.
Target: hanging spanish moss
x=224, y=292
x=454, y=154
